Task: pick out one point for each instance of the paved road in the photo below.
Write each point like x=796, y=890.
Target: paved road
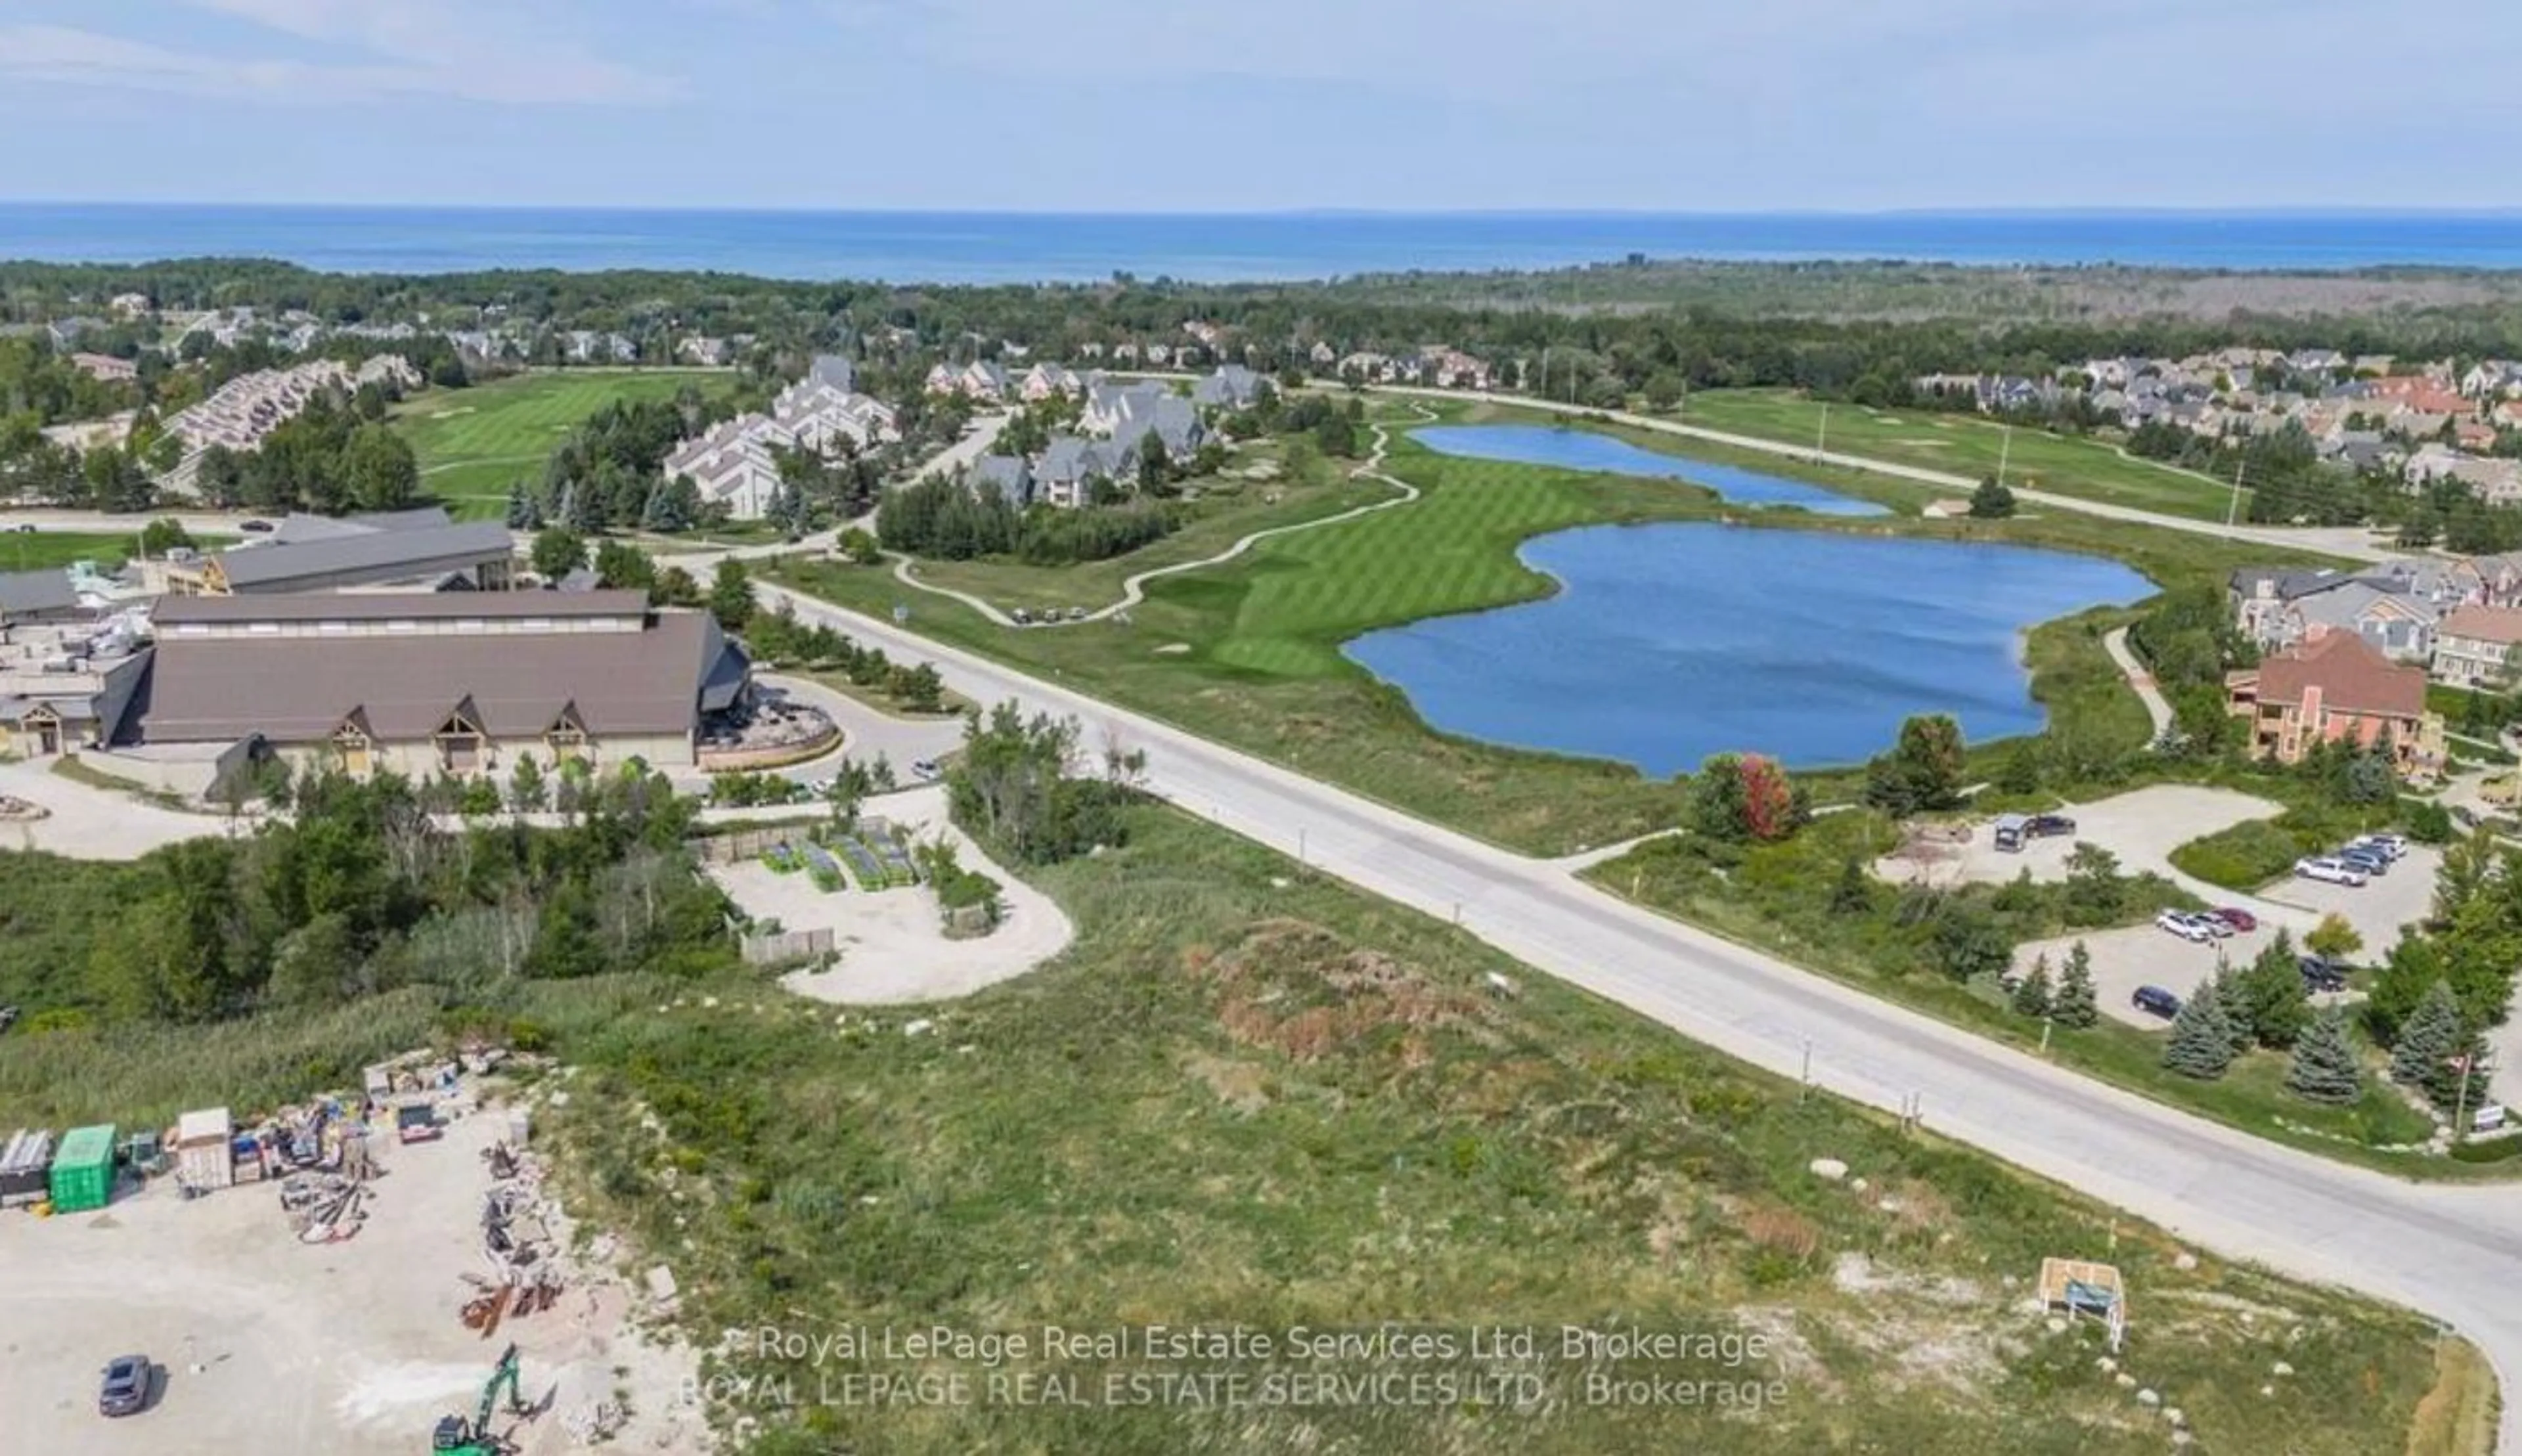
x=2453, y=1253
x=2353, y=544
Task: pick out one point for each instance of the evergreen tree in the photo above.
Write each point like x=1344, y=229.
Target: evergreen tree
x=1853, y=895
x=2075, y=1005
x=523, y=514
x=2324, y=1068
x=1991, y=501
x=2031, y=994
x=2428, y=1039
x=2202, y=1037
x=2271, y=996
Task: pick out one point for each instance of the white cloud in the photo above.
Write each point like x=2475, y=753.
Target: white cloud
x=467, y=50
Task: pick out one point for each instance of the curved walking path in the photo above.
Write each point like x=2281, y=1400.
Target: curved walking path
x=2157, y=706
x=1133, y=586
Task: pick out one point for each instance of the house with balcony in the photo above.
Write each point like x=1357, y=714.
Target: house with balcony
x=2334, y=687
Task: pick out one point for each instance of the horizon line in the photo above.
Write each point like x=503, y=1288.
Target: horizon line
x=2504, y=211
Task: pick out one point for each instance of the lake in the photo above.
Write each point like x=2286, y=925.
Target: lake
x=1584, y=450
x=1666, y=644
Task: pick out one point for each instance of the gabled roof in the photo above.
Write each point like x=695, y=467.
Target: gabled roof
x=2351, y=674
x=27, y=594
x=2500, y=624
x=515, y=686
x=377, y=554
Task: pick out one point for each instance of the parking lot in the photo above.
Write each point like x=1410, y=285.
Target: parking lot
x=2380, y=906
x=2142, y=828
x=2134, y=955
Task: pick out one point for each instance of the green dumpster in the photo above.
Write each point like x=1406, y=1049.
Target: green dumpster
x=83, y=1169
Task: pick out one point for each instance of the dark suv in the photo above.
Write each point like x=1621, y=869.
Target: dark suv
x=126, y=1387
x=2155, y=1001
x=2045, y=826
x=2320, y=973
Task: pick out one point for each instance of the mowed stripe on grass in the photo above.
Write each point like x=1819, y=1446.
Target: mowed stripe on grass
x=1453, y=551
x=473, y=442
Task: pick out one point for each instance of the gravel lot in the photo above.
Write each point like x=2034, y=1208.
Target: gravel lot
x=893, y=946
x=94, y=823
x=264, y=1344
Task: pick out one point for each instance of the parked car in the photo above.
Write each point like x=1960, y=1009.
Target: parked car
x=2389, y=846
x=2045, y=825
x=2236, y=918
x=27, y=527
x=2371, y=862
x=926, y=768
x=254, y=528
x=125, y=1390
x=2154, y=1000
x=1022, y=617
x=8, y=1016
x=417, y=1125
x=2320, y=973
x=2183, y=924
x=1076, y=614
x=2328, y=872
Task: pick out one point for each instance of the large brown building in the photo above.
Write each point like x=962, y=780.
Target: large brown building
x=429, y=683
x=2335, y=688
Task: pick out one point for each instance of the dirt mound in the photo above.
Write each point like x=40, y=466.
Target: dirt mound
x=1302, y=991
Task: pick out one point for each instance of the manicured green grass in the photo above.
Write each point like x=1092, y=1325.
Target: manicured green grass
x=1252, y=1098
x=37, y=550
x=473, y=442
x=2088, y=469
x=1248, y=652
x=1215, y=523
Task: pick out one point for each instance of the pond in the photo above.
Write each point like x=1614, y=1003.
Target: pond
x=1583, y=450
x=1666, y=644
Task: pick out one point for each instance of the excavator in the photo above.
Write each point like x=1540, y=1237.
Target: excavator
x=454, y=1437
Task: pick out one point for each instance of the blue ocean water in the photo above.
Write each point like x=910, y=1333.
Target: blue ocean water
x=1668, y=643
x=1584, y=450
x=1003, y=248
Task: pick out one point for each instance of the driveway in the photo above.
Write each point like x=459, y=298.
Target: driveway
x=866, y=731
x=83, y=823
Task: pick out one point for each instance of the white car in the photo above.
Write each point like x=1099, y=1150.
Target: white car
x=2328, y=872
x=2388, y=846
x=2183, y=924
x=924, y=767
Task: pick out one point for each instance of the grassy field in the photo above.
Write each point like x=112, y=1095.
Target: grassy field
x=473, y=442
x=1219, y=519
x=37, y=550
x=1251, y=1099
x=2086, y=469
x=1248, y=652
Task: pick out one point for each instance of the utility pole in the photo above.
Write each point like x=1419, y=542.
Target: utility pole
x=2004, y=452
x=1821, y=442
x=2233, y=508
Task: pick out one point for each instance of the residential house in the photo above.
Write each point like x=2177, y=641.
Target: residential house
x=128, y=305
x=702, y=349
x=2335, y=689
x=1047, y=380
x=2493, y=479
x=1007, y=477
x=980, y=379
x=1232, y=387
x=2475, y=646
x=1069, y=466
x=65, y=333
x=834, y=370
x=105, y=366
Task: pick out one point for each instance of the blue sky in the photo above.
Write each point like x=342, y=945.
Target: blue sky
x=1201, y=105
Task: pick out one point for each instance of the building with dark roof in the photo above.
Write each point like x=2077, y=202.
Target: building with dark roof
x=423, y=684
x=314, y=554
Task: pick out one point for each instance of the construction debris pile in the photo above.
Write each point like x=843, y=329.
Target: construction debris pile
x=518, y=1244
